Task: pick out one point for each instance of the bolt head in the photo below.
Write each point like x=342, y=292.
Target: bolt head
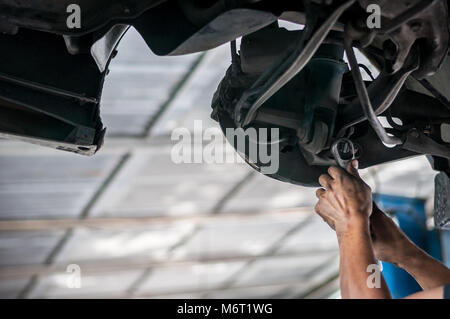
x=414, y=133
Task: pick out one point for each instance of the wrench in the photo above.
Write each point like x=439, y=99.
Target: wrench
x=343, y=151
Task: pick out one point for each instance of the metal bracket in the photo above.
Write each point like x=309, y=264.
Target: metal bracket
x=418, y=142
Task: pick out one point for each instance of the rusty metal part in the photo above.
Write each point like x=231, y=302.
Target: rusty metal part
x=409, y=22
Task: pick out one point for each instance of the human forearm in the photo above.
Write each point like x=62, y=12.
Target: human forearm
x=393, y=246
x=428, y=272
x=345, y=203
x=356, y=255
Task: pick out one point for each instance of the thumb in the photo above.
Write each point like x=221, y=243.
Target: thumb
x=352, y=168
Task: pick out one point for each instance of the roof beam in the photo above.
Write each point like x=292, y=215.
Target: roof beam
x=127, y=264
x=120, y=223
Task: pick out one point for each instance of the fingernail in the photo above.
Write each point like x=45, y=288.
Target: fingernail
x=355, y=164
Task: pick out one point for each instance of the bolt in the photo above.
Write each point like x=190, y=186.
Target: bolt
x=414, y=133
x=415, y=26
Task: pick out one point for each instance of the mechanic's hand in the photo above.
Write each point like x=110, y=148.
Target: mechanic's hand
x=345, y=201
x=390, y=244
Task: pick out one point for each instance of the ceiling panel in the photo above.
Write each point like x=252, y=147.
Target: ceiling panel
x=316, y=236
x=139, y=243
x=194, y=101
x=10, y=289
x=138, y=84
x=187, y=279
x=162, y=187
x=412, y=177
x=282, y=270
x=50, y=187
x=26, y=247
x=264, y=193
x=92, y=286
x=320, y=283
x=237, y=237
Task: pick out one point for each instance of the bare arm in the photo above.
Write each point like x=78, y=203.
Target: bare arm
x=392, y=245
x=356, y=255
x=435, y=293
x=345, y=203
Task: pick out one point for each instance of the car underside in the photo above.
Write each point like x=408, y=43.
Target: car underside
x=52, y=74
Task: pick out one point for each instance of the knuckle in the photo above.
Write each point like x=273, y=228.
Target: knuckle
x=334, y=170
x=322, y=179
x=317, y=208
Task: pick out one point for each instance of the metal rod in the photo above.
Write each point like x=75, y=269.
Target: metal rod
x=47, y=89
x=438, y=95
x=364, y=98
